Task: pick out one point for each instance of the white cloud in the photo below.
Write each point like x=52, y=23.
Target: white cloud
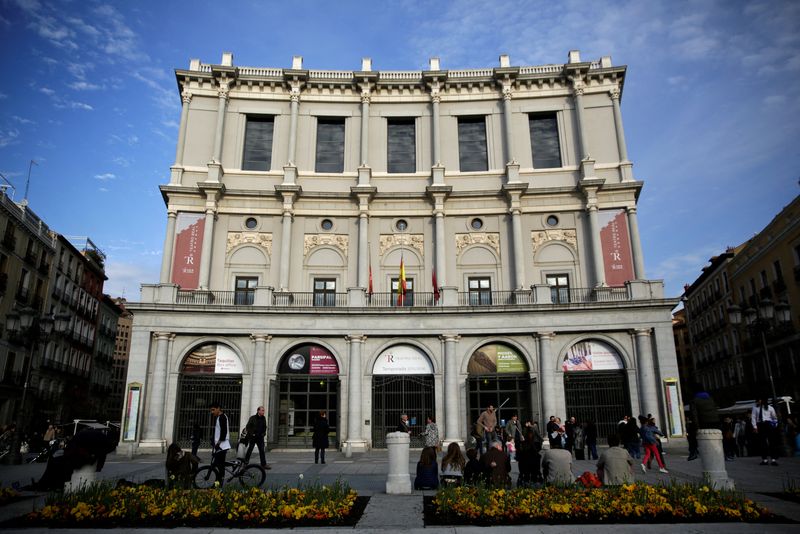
x=775, y=100
x=170, y=124
x=84, y=86
x=3, y=96
x=121, y=161
x=126, y=277
x=47, y=91
x=105, y=177
x=8, y=137
x=103, y=189
x=22, y=120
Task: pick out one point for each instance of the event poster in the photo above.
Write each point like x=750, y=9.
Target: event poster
x=188, y=250
x=490, y=359
x=673, y=407
x=213, y=358
x=591, y=356
x=616, y=245
x=309, y=360
x=402, y=360
x=132, y=413
x=227, y=362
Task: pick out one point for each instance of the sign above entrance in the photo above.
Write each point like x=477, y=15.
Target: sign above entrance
x=213, y=358
x=309, y=360
x=500, y=359
x=592, y=356
x=402, y=360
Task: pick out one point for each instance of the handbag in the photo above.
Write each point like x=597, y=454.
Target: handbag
x=241, y=450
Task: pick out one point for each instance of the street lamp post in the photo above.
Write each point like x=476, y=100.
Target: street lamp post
x=761, y=320
x=31, y=328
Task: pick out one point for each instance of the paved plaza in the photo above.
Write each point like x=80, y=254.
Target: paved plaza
x=366, y=473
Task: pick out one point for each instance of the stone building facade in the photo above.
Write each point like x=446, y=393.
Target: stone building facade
x=371, y=243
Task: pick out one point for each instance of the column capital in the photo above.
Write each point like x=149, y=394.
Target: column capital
x=631, y=210
x=545, y=335
x=186, y=96
x=508, y=92
x=450, y=337
x=642, y=332
x=591, y=205
x=615, y=93
x=162, y=335
x=223, y=91
x=172, y=213
x=355, y=338
x=263, y=338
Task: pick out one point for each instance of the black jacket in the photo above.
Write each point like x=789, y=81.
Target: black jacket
x=320, y=436
x=256, y=426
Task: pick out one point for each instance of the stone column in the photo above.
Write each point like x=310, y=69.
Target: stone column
x=355, y=442
x=186, y=97
x=153, y=431
x=363, y=249
x=440, y=246
x=286, y=247
x=519, y=264
x=223, y=104
x=451, y=400
x=547, y=375
x=578, y=96
x=208, y=240
x=648, y=387
x=295, y=111
x=169, y=247
x=364, y=127
x=597, y=249
x=623, y=150
x=636, y=244
x=509, y=138
x=259, y=395
x=435, y=131
x=712, y=456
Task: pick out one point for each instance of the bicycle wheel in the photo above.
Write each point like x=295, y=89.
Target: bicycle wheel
x=205, y=477
x=252, y=476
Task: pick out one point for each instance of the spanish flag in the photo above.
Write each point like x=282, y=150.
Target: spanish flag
x=401, y=284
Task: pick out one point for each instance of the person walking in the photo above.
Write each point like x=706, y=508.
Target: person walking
x=765, y=424
x=740, y=436
x=591, y=439
x=256, y=430
x=431, y=433
x=631, y=437
x=320, y=437
x=488, y=421
x=649, y=431
x=220, y=443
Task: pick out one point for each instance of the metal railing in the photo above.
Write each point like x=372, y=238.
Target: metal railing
x=582, y=295
x=410, y=300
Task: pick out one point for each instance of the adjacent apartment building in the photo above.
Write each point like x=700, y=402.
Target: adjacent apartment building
x=371, y=243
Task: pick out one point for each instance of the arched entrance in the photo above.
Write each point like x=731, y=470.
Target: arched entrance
x=596, y=385
x=402, y=383
x=308, y=383
x=498, y=375
x=211, y=372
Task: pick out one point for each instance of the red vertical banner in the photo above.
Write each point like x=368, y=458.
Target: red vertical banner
x=188, y=250
x=616, y=245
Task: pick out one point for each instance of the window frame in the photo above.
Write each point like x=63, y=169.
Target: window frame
x=245, y=296
x=547, y=161
x=249, y=163
x=409, y=165
x=559, y=293
x=330, y=167
x=470, y=148
x=325, y=296
x=408, y=298
x=479, y=296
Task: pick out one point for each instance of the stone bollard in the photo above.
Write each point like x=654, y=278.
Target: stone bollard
x=83, y=476
x=398, y=481
x=712, y=456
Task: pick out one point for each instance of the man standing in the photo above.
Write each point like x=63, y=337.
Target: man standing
x=552, y=433
x=256, y=430
x=765, y=422
x=403, y=426
x=488, y=421
x=220, y=442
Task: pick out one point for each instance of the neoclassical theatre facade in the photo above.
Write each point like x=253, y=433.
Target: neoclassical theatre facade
x=371, y=243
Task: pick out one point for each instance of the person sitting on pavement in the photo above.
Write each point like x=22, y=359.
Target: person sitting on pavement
x=453, y=465
x=181, y=467
x=557, y=467
x=497, y=465
x=473, y=471
x=427, y=470
x=615, y=465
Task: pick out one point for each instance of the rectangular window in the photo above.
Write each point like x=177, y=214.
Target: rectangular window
x=401, y=145
x=764, y=280
x=245, y=290
x=545, y=145
x=472, y=154
x=258, y=144
x=776, y=265
x=480, y=291
x=408, y=299
x=330, y=145
x=559, y=287
x=324, y=292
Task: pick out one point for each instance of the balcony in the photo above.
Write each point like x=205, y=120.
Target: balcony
x=538, y=295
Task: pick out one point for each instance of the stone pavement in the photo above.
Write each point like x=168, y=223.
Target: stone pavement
x=366, y=473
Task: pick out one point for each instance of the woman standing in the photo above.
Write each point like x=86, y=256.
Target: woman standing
x=320, y=437
x=431, y=433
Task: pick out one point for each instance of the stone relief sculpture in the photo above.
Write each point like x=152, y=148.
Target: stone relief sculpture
x=261, y=240
x=478, y=238
x=312, y=241
x=569, y=236
x=415, y=241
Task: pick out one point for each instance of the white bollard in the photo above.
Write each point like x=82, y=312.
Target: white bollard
x=398, y=481
x=83, y=476
x=712, y=456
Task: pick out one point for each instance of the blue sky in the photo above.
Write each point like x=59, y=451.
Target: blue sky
x=711, y=101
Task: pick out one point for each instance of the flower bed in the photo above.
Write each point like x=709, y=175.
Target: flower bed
x=8, y=495
x=634, y=503
x=105, y=506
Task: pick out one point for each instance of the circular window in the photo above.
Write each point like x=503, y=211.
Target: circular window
x=552, y=220
x=326, y=224
x=476, y=224
x=401, y=225
x=251, y=223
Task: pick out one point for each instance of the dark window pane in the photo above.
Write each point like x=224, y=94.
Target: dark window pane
x=330, y=145
x=544, y=141
x=480, y=291
x=324, y=292
x=472, y=144
x=257, y=144
x=401, y=142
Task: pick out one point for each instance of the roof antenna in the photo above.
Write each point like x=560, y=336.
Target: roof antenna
x=28, y=181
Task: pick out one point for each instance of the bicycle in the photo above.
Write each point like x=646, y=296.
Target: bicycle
x=247, y=475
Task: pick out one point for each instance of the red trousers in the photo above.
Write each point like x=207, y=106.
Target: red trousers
x=651, y=448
